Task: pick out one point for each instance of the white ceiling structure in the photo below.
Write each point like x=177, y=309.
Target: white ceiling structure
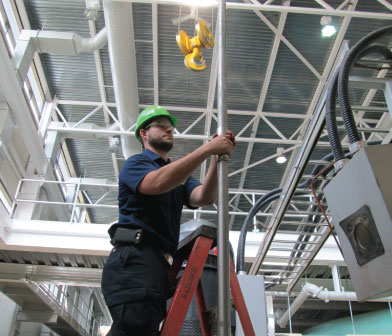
x=70, y=103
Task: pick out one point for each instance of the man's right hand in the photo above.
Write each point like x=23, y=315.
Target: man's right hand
x=222, y=144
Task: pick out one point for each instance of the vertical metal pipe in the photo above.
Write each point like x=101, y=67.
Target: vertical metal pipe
x=223, y=190
x=336, y=279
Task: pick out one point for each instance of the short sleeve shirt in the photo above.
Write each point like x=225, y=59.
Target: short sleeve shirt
x=159, y=214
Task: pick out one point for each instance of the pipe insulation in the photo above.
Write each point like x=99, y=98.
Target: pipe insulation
x=321, y=293
x=119, y=23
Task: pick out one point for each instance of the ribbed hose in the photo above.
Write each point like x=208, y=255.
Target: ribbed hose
x=262, y=201
x=350, y=59
x=332, y=128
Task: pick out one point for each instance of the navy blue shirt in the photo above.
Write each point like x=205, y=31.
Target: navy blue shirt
x=159, y=214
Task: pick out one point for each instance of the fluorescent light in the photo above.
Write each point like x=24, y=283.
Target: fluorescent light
x=328, y=31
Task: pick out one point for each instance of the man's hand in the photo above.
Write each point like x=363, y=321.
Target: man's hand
x=222, y=144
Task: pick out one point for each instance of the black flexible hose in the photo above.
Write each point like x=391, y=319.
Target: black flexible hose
x=272, y=196
x=262, y=201
x=265, y=199
x=332, y=127
x=350, y=59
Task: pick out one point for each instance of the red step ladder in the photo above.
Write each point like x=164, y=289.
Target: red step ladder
x=190, y=284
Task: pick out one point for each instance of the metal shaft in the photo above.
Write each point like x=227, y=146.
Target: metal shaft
x=223, y=190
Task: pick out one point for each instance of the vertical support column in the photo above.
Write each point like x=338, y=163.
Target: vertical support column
x=223, y=209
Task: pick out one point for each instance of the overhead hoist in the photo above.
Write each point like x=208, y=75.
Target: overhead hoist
x=191, y=47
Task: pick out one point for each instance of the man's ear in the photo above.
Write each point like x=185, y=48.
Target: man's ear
x=143, y=134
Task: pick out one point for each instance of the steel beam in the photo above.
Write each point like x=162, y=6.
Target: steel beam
x=281, y=9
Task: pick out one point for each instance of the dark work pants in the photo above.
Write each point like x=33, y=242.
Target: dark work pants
x=134, y=284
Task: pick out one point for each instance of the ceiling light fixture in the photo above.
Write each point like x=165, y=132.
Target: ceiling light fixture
x=281, y=158
x=328, y=29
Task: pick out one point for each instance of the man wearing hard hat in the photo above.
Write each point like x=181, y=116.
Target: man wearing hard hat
x=152, y=193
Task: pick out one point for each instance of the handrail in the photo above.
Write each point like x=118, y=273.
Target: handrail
x=81, y=320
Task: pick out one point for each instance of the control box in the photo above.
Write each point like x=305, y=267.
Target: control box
x=359, y=199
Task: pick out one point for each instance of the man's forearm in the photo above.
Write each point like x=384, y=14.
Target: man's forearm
x=170, y=176
x=173, y=174
x=207, y=193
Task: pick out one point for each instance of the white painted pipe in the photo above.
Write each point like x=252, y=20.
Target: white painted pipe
x=322, y=294
x=90, y=44
x=119, y=23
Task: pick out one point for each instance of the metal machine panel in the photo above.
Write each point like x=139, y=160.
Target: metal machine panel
x=360, y=201
x=252, y=288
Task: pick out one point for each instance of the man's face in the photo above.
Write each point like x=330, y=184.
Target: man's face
x=160, y=134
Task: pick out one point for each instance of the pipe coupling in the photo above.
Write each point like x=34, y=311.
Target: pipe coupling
x=356, y=146
x=223, y=157
x=338, y=165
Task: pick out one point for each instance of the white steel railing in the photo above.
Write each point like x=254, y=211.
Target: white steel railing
x=81, y=200
x=79, y=315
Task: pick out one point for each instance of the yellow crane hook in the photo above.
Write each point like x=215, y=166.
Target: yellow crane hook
x=191, y=47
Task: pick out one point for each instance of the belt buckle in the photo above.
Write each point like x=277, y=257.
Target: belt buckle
x=168, y=258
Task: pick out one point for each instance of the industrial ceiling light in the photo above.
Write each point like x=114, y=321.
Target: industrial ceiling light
x=328, y=29
x=281, y=158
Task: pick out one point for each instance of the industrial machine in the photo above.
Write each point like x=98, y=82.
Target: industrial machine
x=360, y=195
x=360, y=201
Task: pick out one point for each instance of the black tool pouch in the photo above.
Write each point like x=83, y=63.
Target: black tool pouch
x=127, y=236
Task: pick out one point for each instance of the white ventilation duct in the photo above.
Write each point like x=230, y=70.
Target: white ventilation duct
x=119, y=23
x=119, y=32
x=52, y=42
x=322, y=294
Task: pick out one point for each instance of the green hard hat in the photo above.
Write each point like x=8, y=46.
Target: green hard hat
x=150, y=113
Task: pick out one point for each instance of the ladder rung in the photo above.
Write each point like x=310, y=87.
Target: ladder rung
x=274, y=277
x=276, y=271
x=293, y=242
x=284, y=257
x=301, y=233
x=310, y=177
x=302, y=224
x=288, y=250
x=274, y=282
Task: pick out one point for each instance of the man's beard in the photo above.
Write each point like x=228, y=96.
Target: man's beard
x=160, y=143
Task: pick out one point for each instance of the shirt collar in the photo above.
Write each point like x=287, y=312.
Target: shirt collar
x=154, y=156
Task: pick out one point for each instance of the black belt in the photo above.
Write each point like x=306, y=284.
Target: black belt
x=127, y=236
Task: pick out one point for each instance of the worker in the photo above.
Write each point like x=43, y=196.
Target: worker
x=152, y=192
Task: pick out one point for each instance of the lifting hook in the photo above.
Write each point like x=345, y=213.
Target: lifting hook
x=191, y=48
